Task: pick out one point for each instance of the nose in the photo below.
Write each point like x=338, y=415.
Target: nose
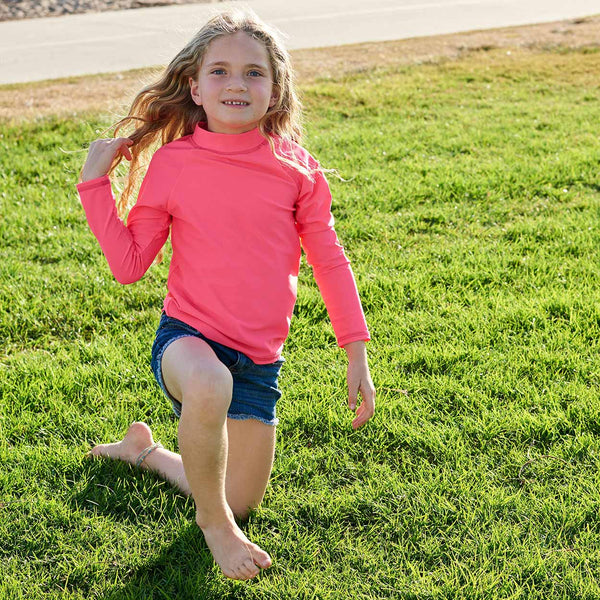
x=236, y=83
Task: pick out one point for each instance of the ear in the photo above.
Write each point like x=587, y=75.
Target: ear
x=195, y=91
x=274, y=96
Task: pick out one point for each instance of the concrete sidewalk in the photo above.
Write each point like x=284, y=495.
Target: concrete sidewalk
x=37, y=49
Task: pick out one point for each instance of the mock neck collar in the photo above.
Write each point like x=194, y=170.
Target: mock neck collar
x=227, y=143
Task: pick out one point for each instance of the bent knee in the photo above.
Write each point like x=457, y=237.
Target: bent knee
x=209, y=388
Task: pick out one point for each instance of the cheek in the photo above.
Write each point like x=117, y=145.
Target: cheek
x=209, y=89
x=267, y=92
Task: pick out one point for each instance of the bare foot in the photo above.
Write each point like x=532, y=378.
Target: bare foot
x=234, y=553
x=137, y=438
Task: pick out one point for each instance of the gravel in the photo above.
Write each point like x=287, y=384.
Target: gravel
x=29, y=9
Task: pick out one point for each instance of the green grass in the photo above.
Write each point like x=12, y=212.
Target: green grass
x=470, y=210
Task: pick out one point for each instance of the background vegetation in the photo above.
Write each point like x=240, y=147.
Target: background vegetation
x=469, y=207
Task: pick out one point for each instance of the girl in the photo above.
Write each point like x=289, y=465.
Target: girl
x=239, y=196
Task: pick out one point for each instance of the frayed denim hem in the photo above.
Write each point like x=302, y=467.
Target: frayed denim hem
x=243, y=417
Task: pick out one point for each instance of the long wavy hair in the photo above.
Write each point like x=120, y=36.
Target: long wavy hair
x=164, y=110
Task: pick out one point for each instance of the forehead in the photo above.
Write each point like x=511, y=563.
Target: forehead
x=238, y=48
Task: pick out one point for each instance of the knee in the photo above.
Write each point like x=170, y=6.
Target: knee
x=209, y=390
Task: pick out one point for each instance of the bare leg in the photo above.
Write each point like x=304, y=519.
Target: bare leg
x=139, y=437
x=251, y=449
x=249, y=461
x=235, y=457
x=195, y=376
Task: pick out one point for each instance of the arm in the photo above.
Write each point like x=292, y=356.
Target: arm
x=336, y=283
x=331, y=267
x=129, y=249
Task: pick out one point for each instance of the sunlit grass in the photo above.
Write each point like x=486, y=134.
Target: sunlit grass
x=469, y=207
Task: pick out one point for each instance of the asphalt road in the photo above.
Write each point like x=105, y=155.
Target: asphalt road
x=37, y=49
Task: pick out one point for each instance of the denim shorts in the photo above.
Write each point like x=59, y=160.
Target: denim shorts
x=255, y=390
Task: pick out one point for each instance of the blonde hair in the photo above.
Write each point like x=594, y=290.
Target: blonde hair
x=164, y=110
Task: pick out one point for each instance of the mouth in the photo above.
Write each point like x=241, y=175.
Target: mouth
x=235, y=103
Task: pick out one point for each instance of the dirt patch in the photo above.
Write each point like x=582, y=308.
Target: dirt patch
x=111, y=93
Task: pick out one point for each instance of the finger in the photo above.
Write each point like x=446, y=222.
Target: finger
x=366, y=409
x=352, y=396
x=363, y=414
x=118, y=142
x=357, y=422
x=361, y=418
x=119, y=146
x=126, y=153
x=127, y=143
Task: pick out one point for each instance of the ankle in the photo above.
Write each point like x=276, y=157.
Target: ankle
x=141, y=457
x=222, y=521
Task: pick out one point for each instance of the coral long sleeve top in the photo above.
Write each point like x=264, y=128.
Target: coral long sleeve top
x=238, y=218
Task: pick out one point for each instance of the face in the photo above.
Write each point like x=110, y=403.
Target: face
x=234, y=83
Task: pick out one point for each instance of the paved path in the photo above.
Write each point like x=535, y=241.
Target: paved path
x=36, y=49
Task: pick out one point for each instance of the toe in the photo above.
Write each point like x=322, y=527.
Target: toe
x=96, y=451
x=230, y=573
x=248, y=569
x=261, y=558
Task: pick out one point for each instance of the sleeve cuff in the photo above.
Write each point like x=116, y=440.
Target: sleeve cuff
x=359, y=337
x=93, y=183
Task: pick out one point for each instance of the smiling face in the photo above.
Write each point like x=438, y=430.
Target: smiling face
x=234, y=84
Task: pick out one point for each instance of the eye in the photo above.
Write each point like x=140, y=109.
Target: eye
x=255, y=73
x=217, y=72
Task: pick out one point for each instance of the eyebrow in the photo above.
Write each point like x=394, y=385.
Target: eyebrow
x=226, y=64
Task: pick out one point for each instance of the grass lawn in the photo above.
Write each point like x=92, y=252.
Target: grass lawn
x=469, y=205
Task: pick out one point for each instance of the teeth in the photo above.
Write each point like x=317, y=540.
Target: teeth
x=235, y=103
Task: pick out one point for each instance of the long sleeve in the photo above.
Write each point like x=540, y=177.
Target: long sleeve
x=131, y=248
x=331, y=268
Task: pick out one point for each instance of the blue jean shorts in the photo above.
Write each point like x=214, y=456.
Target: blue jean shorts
x=255, y=390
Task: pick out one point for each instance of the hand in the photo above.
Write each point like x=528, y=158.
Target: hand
x=101, y=155
x=359, y=381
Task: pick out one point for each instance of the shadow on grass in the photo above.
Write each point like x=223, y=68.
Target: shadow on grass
x=181, y=568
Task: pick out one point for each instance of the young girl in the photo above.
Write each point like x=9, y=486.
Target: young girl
x=240, y=197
